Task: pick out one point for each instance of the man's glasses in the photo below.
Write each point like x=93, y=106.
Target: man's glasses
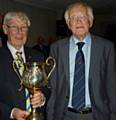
x=76, y=18
x=17, y=29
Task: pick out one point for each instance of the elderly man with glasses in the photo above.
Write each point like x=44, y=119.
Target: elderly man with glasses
x=13, y=102
x=84, y=80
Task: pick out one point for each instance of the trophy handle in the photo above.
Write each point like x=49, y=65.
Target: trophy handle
x=18, y=74
x=48, y=63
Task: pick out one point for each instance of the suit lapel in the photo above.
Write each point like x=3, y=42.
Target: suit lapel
x=66, y=58
x=93, y=82
x=27, y=55
x=15, y=79
x=92, y=57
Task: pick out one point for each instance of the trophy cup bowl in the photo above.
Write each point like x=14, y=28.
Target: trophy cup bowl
x=34, y=78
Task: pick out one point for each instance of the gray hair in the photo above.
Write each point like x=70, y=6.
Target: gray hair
x=89, y=10
x=10, y=15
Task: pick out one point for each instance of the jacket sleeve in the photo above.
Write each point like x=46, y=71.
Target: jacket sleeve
x=111, y=81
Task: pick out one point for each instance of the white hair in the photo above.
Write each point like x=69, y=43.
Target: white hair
x=77, y=4
x=10, y=15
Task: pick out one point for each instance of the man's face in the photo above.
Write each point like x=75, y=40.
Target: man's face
x=16, y=31
x=79, y=22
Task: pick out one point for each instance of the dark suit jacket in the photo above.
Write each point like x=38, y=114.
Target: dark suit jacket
x=9, y=82
x=102, y=80
x=43, y=49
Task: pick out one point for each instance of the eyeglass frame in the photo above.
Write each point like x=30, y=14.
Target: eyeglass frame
x=76, y=18
x=16, y=28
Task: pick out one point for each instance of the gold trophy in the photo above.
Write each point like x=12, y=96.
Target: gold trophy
x=35, y=76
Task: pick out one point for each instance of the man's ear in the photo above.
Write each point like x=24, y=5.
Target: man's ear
x=5, y=29
x=68, y=24
x=90, y=23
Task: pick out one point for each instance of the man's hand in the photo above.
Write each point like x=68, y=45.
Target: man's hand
x=38, y=99
x=19, y=114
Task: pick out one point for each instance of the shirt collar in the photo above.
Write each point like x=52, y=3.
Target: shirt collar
x=86, y=40
x=14, y=50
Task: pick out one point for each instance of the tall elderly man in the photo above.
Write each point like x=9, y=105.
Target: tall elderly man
x=84, y=81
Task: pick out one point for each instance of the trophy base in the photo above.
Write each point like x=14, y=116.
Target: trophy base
x=36, y=116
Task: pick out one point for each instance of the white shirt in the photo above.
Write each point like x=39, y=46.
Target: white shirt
x=14, y=50
x=72, y=54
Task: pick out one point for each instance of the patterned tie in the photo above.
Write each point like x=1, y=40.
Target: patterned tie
x=20, y=66
x=78, y=96
x=19, y=62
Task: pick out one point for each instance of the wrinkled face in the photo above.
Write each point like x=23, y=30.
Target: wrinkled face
x=79, y=22
x=17, y=31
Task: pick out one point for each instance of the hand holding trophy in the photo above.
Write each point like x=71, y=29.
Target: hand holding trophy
x=34, y=78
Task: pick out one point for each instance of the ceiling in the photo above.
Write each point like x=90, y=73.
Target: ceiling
x=99, y=6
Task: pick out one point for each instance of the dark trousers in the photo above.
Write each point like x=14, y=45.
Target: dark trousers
x=77, y=116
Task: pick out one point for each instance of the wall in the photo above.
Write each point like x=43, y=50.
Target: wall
x=44, y=20
x=101, y=23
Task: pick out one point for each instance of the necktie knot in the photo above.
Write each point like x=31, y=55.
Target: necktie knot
x=19, y=56
x=19, y=59
x=80, y=45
